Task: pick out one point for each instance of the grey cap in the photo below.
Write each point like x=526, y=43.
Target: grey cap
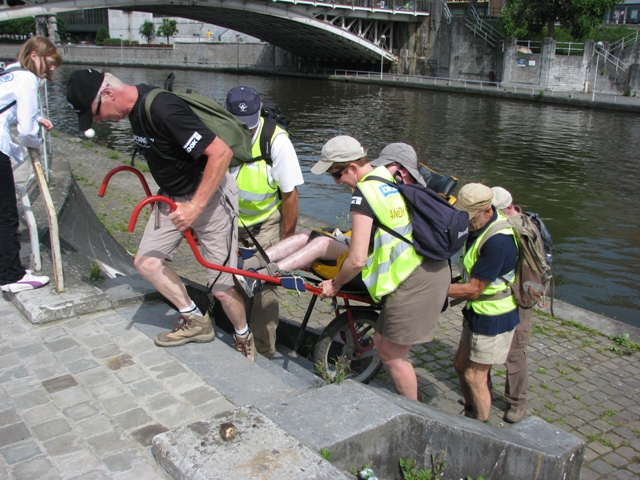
x=339, y=149
x=403, y=154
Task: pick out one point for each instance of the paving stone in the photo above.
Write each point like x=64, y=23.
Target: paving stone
x=9, y=417
x=601, y=467
x=59, y=383
x=201, y=395
x=106, y=351
x=132, y=373
x=145, y=388
x=145, y=434
x=68, y=444
x=82, y=365
x=36, y=467
x=108, y=442
x=19, y=452
x=121, y=461
x=120, y=403
x=80, y=411
x=133, y=418
x=70, y=396
x=51, y=429
x=615, y=460
x=61, y=344
x=93, y=426
x=31, y=399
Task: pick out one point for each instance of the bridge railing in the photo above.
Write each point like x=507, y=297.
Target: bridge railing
x=390, y=6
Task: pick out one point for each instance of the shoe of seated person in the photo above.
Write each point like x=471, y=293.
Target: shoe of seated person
x=27, y=282
x=249, y=285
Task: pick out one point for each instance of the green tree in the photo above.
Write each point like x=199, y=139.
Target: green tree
x=61, y=28
x=20, y=26
x=148, y=31
x=527, y=18
x=168, y=29
x=102, y=35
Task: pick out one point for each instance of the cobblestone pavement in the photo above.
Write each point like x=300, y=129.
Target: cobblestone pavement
x=580, y=380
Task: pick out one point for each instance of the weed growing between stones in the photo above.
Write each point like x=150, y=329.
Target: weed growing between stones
x=326, y=454
x=95, y=274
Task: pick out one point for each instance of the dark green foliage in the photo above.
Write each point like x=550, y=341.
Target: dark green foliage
x=102, y=35
x=527, y=18
x=61, y=28
x=148, y=31
x=19, y=26
x=168, y=29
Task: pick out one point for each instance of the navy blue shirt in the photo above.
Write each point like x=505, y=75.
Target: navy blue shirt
x=496, y=258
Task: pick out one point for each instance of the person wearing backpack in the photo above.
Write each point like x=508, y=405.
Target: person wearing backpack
x=490, y=315
x=517, y=378
x=36, y=60
x=190, y=164
x=268, y=200
x=413, y=288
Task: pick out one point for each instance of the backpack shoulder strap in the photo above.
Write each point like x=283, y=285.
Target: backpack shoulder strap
x=493, y=229
x=376, y=221
x=145, y=102
x=268, y=129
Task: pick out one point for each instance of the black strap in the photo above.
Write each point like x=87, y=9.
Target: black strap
x=268, y=129
x=5, y=108
x=255, y=242
x=377, y=222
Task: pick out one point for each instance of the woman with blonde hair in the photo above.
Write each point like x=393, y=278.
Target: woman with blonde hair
x=19, y=83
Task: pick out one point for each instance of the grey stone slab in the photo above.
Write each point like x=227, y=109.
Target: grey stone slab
x=108, y=442
x=260, y=450
x=122, y=461
x=18, y=452
x=357, y=424
x=133, y=418
x=59, y=383
x=37, y=467
x=9, y=417
x=129, y=289
x=82, y=365
x=46, y=305
x=80, y=411
x=52, y=428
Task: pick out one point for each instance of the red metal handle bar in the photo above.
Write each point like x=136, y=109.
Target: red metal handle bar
x=213, y=266
x=113, y=171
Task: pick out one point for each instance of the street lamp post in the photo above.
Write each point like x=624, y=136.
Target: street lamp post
x=595, y=76
x=382, y=41
x=121, y=51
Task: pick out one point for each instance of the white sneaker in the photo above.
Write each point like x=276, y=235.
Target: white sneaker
x=28, y=282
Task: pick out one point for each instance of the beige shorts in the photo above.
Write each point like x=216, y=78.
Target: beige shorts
x=410, y=314
x=487, y=349
x=216, y=229
x=266, y=233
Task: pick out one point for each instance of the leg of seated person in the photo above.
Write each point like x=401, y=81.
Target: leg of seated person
x=279, y=250
x=323, y=247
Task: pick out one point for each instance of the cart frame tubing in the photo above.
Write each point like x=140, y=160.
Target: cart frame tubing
x=124, y=168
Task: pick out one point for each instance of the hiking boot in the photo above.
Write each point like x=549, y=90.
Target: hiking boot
x=187, y=328
x=515, y=414
x=250, y=286
x=244, y=344
x=27, y=282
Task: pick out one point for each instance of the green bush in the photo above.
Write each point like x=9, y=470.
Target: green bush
x=102, y=35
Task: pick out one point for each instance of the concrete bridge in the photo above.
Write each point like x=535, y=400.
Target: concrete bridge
x=336, y=31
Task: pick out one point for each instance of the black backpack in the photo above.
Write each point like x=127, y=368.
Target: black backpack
x=439, y=230
x=273, y=117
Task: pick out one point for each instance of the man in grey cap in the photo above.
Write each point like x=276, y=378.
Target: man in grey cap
x=490, y=316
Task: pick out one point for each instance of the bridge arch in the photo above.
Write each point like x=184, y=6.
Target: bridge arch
x=327, y=33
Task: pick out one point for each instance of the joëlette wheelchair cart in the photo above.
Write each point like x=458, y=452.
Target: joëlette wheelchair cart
x=346, y=343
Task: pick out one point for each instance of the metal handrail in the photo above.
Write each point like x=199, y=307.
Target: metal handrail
x=447, y=13
x=626, y=41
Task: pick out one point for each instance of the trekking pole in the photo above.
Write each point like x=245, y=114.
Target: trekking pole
x=54, y=237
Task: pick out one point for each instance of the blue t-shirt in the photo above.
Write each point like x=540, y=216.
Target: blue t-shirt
x=496, y=258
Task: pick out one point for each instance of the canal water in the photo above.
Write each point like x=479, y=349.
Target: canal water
x=577, y=168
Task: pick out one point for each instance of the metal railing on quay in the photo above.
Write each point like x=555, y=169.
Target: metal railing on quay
x=569, y=48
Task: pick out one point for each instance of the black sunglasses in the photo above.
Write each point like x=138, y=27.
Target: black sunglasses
x=99, y=105
x=338, y=173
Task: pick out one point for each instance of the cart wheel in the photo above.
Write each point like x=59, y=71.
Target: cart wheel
x=336, y=344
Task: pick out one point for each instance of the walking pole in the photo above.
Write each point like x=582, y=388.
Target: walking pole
x=54, y=237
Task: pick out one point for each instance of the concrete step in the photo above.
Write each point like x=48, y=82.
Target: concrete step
x=241, y=381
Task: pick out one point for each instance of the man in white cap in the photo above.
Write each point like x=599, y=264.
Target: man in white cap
x=268, y=202
x=491, y=313
x=517, y=382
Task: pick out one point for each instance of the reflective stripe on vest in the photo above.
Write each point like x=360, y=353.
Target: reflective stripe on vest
x=392, y=260
x=497, y=298
x=257, y=198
